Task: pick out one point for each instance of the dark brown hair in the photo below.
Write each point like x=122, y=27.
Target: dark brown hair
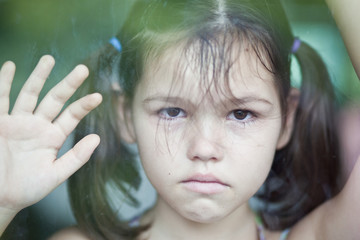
x=304, y=172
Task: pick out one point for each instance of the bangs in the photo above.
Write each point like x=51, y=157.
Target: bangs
x=213, y=57
x=209, y=38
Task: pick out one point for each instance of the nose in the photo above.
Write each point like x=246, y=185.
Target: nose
x=205, y=144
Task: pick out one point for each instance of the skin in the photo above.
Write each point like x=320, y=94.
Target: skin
x=31, y=137
x=180, y=136
x=349, y=139
x=346, y=15
x=335, y=219
x=182, y=143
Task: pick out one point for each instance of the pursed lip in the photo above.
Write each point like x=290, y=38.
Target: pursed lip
x=204, y=184
x=204, y=178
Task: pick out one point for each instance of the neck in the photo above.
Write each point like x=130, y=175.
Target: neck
x=168, y=224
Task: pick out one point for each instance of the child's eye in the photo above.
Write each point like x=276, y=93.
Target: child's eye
x=171, y=113
x=240, y=115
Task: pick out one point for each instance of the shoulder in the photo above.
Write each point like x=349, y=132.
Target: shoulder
x=70, y=233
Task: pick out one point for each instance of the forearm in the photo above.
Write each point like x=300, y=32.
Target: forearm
x=347, y=17
x=6, y=216
x=341, y=215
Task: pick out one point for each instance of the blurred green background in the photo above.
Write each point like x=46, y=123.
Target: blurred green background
x=67, y=29
x=70, y=30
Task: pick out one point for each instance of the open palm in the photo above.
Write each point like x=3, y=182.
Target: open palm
x=31, y=135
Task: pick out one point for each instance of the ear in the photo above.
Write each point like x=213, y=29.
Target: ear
x=125, y=123
x=292, y=102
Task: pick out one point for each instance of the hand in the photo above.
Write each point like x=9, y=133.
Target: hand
x=30, y=136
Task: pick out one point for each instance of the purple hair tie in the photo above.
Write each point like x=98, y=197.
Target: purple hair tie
x=296, y=45
x=115, y=43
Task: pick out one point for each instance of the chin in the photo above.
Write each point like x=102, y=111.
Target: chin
x=204, y=215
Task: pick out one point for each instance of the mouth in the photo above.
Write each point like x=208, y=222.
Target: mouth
x=205, y=184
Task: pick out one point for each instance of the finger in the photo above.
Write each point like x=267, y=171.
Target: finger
x=76, y=157
x=29, y=94
x=7, y=73
x=54, y=101
x=69, y=119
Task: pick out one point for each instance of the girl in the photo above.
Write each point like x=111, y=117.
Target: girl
x=203, y=89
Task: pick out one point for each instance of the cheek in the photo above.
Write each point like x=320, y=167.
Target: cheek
x=155, y=152
x=254, y=152
x=255, y=163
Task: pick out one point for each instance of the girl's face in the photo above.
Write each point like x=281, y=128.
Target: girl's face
x=206, y=150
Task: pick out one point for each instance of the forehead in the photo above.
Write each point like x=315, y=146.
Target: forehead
x=214, y=71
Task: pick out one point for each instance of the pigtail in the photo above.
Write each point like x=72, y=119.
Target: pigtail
x=305, y=173
x=113, y=166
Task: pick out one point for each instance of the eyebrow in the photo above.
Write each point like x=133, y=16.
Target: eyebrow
x=250, y=99
x=170, y=99
x=234, y=100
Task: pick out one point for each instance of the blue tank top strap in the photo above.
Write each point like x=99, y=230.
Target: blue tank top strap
x=284, y=234
x=261, y=229
x=134, y=222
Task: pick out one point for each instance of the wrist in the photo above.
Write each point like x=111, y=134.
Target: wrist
x=6, y=216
